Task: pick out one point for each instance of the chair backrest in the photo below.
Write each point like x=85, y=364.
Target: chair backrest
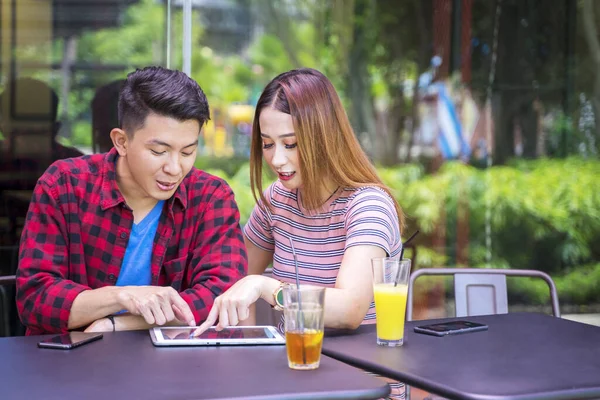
x=8, y=280
x=5, y=281
x=481, y=291
x=481, y=294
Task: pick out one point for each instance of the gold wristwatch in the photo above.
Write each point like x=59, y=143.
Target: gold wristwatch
x=278, y=297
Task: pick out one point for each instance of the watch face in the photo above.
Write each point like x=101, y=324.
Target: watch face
x=279, y=297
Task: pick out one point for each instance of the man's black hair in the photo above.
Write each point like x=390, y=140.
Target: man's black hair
x=163, y=92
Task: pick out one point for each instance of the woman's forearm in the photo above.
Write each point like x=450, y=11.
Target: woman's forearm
x=251, y=320
x=343, y=310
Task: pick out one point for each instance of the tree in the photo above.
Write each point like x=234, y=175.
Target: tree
x=402, y=50
x=530, y=70
x=590, y=15
x=140, y=41
x=367, y=47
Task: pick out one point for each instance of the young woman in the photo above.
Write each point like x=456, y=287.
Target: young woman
x=328, y=200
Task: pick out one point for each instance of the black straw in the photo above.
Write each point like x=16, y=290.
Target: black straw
x=299, y=300
x=402, y=255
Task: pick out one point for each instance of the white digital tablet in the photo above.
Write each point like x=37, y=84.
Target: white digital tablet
x=231, y=336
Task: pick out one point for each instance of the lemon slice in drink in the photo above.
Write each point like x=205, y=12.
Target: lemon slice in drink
x=312, y=337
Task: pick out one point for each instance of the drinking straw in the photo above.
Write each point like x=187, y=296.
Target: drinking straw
x=299, y=299
x=402, y=255
x=296, y=263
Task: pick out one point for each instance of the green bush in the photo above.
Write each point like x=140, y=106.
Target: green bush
x=230, y=165
x=580, y=286
x=545, y=214
x=82, y=134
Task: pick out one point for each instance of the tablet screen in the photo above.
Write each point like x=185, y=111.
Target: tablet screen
x=211, y=333
x=235, y=335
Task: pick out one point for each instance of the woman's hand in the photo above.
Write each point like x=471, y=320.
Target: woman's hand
x=233, y=306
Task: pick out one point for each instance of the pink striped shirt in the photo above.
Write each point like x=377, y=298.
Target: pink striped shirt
x=350, y=217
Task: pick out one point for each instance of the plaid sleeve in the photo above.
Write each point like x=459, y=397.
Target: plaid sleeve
x=44, y=293
x=219, y=255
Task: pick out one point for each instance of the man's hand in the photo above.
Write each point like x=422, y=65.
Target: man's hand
x=100, y=325
x=158, y=305
x=233, y=306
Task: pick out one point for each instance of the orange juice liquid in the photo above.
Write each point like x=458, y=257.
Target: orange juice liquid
x=311, y=341
x=390, y=310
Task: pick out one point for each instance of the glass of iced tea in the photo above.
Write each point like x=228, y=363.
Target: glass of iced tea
x=304, y=319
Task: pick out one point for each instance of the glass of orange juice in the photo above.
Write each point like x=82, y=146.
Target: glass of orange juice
x=390, y=289
x=304, y=323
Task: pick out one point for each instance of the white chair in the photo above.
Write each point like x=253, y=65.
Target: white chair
x=481, y=291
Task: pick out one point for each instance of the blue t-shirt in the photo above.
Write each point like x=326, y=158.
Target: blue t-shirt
x=135, y=270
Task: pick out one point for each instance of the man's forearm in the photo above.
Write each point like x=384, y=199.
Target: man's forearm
x=130, y=322
x=91, y=305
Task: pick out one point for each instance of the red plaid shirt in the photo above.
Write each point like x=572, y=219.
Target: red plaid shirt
x=77, y=230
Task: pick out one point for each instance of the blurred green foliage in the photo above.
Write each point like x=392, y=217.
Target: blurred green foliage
x=579, y=286
x=545, y=215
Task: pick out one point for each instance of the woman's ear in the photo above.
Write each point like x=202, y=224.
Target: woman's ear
x=120, y=141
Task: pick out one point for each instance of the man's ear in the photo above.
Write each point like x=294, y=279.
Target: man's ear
x=120, y=141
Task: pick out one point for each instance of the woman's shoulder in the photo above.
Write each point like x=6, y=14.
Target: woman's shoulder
x=369, y=200
x=368, y=193
x=280, y=200
x=277, y=192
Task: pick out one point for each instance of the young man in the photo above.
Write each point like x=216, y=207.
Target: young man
x=137, y=236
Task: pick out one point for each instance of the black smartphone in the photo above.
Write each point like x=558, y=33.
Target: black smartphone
x=451, y=328
x=69, y=340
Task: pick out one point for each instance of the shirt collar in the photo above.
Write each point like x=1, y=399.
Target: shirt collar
x=111, y=195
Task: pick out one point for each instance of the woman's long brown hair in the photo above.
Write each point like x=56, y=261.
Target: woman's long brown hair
x=327, y=147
